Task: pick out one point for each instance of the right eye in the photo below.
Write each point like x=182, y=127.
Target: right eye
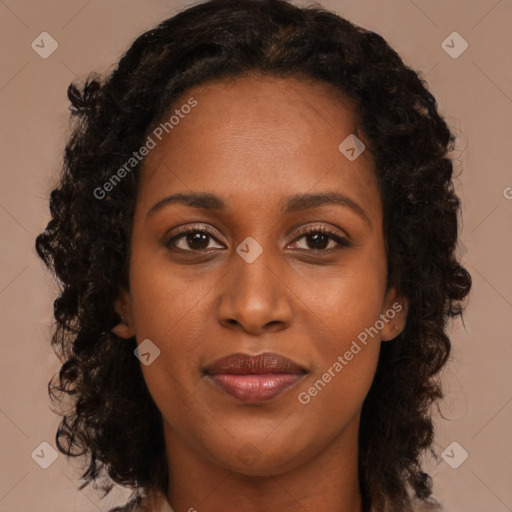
x=192, y=239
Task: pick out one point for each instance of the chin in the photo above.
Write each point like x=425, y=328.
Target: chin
x=248, y=458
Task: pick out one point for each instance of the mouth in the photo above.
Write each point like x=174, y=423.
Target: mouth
x=254, y=379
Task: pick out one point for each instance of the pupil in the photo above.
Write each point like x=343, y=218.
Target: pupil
x=316, y=237
x=194, y=238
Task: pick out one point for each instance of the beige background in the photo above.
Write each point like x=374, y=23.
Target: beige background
x=474, y=92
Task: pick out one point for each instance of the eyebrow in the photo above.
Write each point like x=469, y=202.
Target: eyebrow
x=298, y=202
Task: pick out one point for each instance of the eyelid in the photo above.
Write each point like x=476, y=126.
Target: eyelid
x=343, y=240
x=322, y=228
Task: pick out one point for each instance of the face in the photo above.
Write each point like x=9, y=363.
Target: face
x=284, y=257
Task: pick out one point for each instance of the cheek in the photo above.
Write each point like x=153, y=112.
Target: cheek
x=334, y=396
x=344, y=303
x=345, y=349
x=346, y=354
x=344, y=328
x=168, y=310
x=164, y=297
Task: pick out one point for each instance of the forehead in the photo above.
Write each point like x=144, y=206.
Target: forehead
x=258, y=136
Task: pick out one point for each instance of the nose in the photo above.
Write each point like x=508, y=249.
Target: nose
x=255, y=297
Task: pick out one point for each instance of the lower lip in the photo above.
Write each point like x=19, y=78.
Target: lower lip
x=255, y=388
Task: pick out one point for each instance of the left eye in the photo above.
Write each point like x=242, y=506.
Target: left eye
x=320, y=238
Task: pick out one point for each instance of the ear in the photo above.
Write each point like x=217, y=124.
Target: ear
x=123, y=308
x=394, y=315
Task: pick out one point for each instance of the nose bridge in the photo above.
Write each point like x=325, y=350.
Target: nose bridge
x=253, y=264
x=254, y=277
x=253, y=294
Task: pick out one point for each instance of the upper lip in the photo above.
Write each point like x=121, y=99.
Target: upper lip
x=243, y=364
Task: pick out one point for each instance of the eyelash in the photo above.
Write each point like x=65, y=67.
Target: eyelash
x=310, y=230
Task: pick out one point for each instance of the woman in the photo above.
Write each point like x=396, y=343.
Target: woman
x=255, y=231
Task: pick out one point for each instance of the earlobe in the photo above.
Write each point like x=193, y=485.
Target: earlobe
x=391, y=332
x=123, y=330
x=122, y=305
x=394, y=316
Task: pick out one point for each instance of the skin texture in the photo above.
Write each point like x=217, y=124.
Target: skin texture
x=254, y=143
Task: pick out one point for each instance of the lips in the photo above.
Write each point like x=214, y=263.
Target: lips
x=254, y=379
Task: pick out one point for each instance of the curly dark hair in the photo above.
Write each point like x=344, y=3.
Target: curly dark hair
x=113, y=418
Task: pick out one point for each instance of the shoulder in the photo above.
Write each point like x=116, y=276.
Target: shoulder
x=426, y=505
x=156, y=502
x=131, y=506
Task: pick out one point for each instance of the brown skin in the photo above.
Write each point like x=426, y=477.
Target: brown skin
x=254, y=143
